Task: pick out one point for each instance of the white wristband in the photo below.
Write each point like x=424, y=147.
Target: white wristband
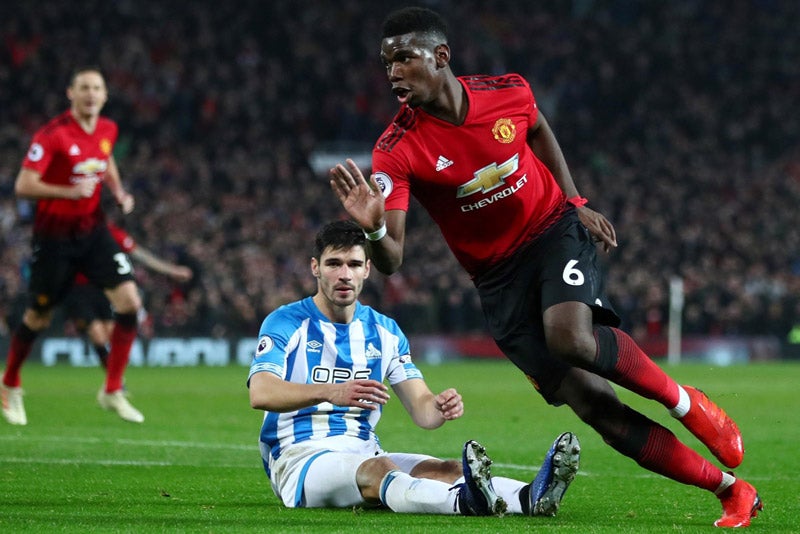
x=377, y=235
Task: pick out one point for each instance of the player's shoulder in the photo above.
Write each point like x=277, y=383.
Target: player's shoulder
x=485, y=82
x=293, y=311
x=107, y=125
x=403, y=122
x=106, y=122
x=55, y=125
x=370, y=315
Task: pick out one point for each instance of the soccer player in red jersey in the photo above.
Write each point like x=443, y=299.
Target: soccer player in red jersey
x=69, y=160
x=90, y=310
x=481, y=158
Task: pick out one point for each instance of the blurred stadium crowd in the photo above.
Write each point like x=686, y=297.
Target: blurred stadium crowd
x=679, y=120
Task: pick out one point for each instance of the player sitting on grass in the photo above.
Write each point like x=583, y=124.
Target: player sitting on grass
x=318, y=373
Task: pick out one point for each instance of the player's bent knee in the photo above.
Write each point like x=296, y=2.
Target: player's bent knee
x=125, y=297
x=37, y=320
x=443, y=470
x=370, y=474
x=573, y=347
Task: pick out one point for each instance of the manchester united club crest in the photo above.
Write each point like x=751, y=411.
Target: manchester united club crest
x=105, y=146
x=504, y=130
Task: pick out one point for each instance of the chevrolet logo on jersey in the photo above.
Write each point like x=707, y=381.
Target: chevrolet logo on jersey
x=90, y=167
x=488, y=178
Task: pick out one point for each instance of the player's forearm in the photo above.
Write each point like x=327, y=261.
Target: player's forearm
x=385, y=247
x=151, y=261
x=386, y=255
x=543, y=142
x=288, y=397
x=41, y=190
x=421, y=404
x=428, y=416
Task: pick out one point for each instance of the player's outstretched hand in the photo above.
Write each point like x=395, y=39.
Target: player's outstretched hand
x=599, y=227
x=181, y=273
x=450, y=404
x=126, y=203
x=361, y=199
x=366, y=394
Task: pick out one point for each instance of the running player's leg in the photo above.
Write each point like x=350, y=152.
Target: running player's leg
x=651, y=445
x=51, y=275
x=105, y=265
x=126, y=302
x=573, y=303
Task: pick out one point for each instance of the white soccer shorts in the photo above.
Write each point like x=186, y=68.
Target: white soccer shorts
x=322, y=473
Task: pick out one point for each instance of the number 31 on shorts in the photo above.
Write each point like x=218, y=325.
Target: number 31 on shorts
x=124, y=265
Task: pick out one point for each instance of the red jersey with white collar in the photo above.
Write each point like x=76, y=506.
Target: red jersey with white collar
x=64, y=154
x=480, y=181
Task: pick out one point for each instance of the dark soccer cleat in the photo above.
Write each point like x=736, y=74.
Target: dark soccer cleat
x=554, y=477
x=740, y=503
x=714, y=428
x=476, y=496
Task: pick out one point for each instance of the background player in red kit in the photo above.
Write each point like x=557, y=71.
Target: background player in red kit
x=89, y=308
x=481, y=158
x=68, y=161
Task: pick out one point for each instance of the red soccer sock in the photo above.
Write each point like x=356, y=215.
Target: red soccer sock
x=663, y=453
x=18, y=351
x=122, y=337
x=621, y=360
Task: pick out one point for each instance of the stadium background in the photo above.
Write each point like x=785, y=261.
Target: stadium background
x=679, y=120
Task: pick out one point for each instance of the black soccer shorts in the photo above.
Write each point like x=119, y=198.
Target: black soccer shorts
x=55, y=262
x=558, y=266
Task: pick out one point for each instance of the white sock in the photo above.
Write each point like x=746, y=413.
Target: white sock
x=682, y=408
x=403, y=493
x=509, y=489
x=727, y=482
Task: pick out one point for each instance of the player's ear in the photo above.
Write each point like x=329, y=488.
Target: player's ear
x=367, y=267
x=442, y=54
x=314, y=267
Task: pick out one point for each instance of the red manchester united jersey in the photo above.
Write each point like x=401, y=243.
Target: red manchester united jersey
x=480, y=181
x=64, y=154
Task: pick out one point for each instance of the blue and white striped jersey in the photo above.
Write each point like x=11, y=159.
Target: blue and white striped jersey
x=299, y=344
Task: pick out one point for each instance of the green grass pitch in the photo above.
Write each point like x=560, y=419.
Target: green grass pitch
x=193, y=466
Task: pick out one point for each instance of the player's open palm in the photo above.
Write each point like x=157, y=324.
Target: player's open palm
x=361, y=199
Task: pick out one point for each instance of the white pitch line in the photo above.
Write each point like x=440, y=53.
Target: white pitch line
x=135, y=463
x=73, y=461
x=140, y=442
x=237, y=447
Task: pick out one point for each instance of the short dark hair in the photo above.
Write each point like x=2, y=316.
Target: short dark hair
x=81, y=69
x=415, y=20
x=339, y=235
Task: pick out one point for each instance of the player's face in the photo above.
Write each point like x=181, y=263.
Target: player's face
x=340, y=276
x=413, y=68
x=87, y=94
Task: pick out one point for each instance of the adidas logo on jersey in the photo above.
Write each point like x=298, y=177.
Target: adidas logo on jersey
x=442, y=163
x=74, y=150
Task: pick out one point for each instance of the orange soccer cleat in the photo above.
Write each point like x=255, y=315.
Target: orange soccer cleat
x=740, y=503
x=714, y=428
